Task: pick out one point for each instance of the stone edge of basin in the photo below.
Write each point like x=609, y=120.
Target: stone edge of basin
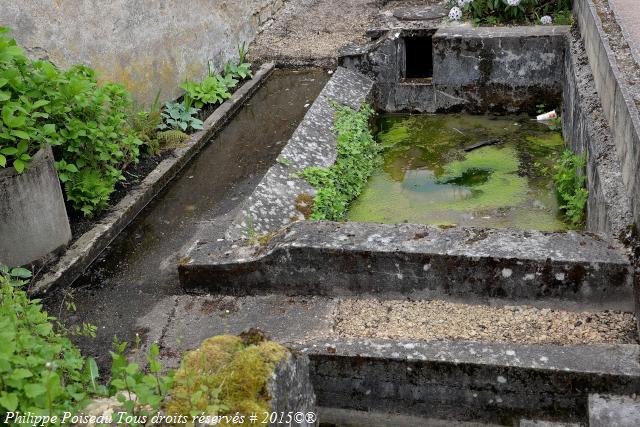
x=599, y=359
x=88, y=246
x=330, y=258
x=272, y=204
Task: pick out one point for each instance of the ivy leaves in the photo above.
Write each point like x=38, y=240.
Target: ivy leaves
x=338, y=185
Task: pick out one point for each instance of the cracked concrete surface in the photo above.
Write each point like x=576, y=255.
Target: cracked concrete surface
x=310, y=32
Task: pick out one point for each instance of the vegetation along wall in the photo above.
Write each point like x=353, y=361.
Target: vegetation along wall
x=145, y=44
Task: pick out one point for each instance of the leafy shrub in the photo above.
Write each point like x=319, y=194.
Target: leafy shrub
x=86, y=123
x=140, y=393
x=570, y=185
x=515, y=11
x=357, y=157
x=179, y=115
x=40, y=369
x=214, y=89
x=23, y=128
x=42, y=372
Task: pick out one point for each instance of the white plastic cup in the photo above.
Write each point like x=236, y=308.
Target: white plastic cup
x=547, y=116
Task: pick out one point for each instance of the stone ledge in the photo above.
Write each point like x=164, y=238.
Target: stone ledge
x=89, y=246
x=329, y=258
x=468, y=380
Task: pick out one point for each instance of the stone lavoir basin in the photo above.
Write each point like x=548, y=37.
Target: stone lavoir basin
x=461, y=169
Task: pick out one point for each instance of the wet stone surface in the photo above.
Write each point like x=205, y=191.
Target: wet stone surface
x=138, y=270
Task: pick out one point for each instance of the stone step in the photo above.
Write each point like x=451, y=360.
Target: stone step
x=468, y=381
x=330, y=258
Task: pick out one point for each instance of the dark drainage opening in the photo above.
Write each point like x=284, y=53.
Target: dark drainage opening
x=418, y=57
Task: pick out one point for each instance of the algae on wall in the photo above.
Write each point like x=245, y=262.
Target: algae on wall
x=146, y=45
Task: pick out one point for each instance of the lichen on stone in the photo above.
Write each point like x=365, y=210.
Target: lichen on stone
x=226, y=375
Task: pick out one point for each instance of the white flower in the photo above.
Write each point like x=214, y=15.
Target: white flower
x=455, y=14
x=546, y=20
x=513, y=2
x=461, y=3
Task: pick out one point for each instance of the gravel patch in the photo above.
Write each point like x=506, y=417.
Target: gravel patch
x=310, y=32
x=442, y=320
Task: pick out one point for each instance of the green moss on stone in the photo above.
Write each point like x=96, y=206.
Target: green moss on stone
x=225, y=375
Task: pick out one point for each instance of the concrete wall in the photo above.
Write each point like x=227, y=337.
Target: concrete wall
x=585, y=129
x=145, y=44
x=474, y=69
x=617, y=101
x=34, y=220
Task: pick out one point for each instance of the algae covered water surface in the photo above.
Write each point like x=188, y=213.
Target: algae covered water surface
x=427, y=177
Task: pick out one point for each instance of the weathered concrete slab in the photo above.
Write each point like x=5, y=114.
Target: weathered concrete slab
x=467, y=380
x=328, y=258
x=614, y=411
x=273, y=203
x=421, y=13
x=33, y=218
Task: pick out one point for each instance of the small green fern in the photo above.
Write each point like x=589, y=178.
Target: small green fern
x=171, y=138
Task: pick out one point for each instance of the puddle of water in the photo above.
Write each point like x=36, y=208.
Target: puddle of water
x=427, y=177
x=140, y=267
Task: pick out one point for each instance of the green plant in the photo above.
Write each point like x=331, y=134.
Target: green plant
x=23, y=128
x=84, y=121
x=570, y=186
x=357, y=157
x=213, y=89
x=140, y=393
x=92, y=134
x=145, y=126
x=41, y=371
x=171, y=138
x=494, y=12
x=180, y=115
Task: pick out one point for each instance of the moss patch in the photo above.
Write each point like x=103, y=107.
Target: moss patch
x=227, y=374
x=426, y=177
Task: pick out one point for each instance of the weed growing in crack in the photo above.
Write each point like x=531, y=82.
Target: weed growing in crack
x=570, y=185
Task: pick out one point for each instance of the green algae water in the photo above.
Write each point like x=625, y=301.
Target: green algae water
x=427, y=177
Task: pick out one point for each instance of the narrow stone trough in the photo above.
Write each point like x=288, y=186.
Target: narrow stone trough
x=498, y=376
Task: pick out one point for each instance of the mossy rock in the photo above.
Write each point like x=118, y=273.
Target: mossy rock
x=244, y=375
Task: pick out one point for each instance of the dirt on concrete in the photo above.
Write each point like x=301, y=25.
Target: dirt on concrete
x=311, y=32
x=442, y=320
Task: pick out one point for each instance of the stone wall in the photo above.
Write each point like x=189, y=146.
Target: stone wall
x=585, y=129
x=474, y=69
x=145, y=44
